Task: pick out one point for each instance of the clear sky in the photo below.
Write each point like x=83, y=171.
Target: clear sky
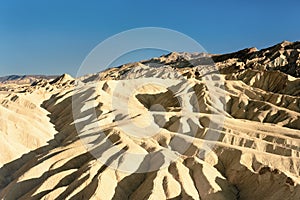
x=54, y=37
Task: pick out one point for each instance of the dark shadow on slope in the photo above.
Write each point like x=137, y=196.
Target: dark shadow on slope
x=130, y=184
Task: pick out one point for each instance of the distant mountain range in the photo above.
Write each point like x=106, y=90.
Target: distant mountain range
x=23, y=79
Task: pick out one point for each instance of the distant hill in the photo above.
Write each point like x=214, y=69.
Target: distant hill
x=24, y=79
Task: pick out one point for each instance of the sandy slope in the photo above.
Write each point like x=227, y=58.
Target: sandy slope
x=24, y=124
x=160, y=129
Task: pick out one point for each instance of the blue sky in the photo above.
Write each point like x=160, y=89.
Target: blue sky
x=54, y=37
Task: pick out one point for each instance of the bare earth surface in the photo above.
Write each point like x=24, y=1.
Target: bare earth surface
x=181, y=126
